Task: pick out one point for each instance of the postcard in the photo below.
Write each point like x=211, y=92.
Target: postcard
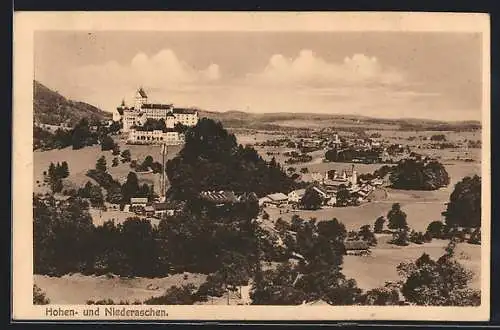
x=251, y=166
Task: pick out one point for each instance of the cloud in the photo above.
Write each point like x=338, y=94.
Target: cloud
x=162, y=69
x=106, y=84
x=311, y=70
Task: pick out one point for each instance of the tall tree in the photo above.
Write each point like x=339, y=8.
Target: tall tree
x=101, y=164
x=464, y=208
x=311, y=200
x=396, y=217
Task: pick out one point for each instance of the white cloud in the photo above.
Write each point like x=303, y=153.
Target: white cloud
x=311, y=70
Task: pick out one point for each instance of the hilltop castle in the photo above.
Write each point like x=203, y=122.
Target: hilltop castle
x=133, y=119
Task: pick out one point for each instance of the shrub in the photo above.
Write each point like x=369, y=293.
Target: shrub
x=39, y=297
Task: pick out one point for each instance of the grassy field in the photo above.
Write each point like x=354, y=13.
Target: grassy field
x=77, y=288
x=374, y=270
x=79, y=161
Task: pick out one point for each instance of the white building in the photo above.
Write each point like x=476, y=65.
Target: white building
x=155, y=137
x=142, y=110
x=296, y=195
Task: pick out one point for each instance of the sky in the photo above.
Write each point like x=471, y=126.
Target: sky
x=434, y=75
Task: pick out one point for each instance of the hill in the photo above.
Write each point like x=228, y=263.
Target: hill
x=50, y=107
x=284, y=120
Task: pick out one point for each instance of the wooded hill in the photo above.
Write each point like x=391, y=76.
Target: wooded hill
x=50, y=107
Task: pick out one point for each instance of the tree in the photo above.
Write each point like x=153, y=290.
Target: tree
x=184, y=295
x=475, y=236
x=396, y=217
x=81, y=135
x=366, y=235
x=107, y=143
x=96, y=197
x=343, y=195
x=419, y=175
x=381, y=297
x=416, y=237
x=126, y=156
x=131, y=187
x=64, y=169
x=276, y=287
x=438, y=283
x=311, y=200
x=56, y=185
x=39, y=297
x=400, y=237
x=211, y=159
x=101, y=164
x=436, y=229
x=52, y=170
x=304, y=170
x=464, y=208
x=115, y=162
x=379, y=225
x=116, y=150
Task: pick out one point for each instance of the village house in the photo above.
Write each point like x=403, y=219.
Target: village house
x=296, y=195
x=138, y=201
x=164, y=208
x=274, y=200
x=219, y=198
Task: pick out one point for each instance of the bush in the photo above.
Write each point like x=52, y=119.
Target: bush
x=184, y=295
x=435, y=229
x=381, y=297
x=39, y=297
x=379, y=225
x=400, y=238
x=366, y=235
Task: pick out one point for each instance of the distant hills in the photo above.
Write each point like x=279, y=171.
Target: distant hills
x=50, y=107
x=240, y=119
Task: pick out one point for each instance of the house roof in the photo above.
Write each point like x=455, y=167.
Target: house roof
x=219, y=196
x=185, y=111
x=356, y=245
x=277, y=197
x=320, y=190
x=157, y=106
x=299, y=192
x=164, y=206
x=138, y=200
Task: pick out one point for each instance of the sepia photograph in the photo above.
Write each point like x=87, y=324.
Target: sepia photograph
x=251, y=166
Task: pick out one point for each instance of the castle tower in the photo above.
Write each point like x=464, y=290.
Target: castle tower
x=140, y=98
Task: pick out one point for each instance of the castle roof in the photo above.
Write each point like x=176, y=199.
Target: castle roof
x=142, y=93
x=156, y=106
x=184, y=111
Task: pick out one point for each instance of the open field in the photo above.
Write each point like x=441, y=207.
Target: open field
x=77, y=288
x=374, y=270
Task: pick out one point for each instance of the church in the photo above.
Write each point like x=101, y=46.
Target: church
x=133, y=118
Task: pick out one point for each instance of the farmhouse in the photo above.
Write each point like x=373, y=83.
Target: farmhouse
x=219, y=197
x=296, y=195
x=276, y=200
x=161, y=208
x=138, y=201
